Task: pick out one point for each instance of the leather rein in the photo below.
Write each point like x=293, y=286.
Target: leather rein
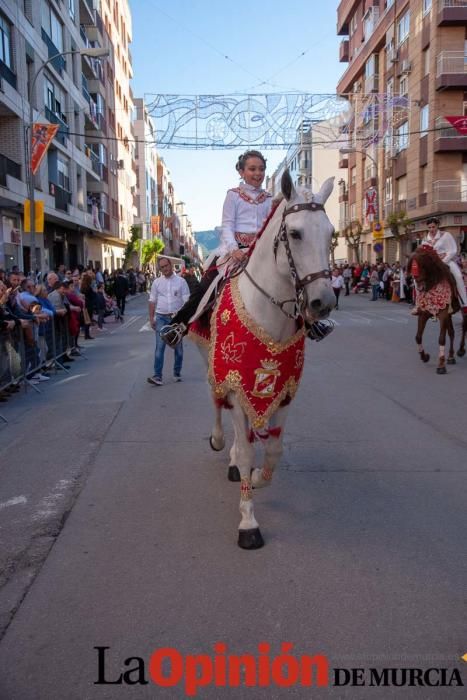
x=300, y=284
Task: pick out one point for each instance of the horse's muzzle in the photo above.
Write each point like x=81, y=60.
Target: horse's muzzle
x=321, y=306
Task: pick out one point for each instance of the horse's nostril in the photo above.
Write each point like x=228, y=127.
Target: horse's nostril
x=316, y=304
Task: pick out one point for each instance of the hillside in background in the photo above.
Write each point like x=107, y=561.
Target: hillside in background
x=208, y=240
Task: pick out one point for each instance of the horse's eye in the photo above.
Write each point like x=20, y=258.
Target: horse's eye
x=296, y=235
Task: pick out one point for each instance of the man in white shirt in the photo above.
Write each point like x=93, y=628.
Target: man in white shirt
x=445, y=245
x=167, y=296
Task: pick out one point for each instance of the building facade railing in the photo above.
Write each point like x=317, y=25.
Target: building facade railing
x=450, y=191
x=451, y=62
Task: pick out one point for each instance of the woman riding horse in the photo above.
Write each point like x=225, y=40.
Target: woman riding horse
x=436, y=299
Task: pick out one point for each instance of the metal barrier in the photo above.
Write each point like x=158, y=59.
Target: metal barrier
x=31, y=348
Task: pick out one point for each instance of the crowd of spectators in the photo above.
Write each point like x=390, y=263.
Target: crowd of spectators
x=384, y=281
x=42, y=318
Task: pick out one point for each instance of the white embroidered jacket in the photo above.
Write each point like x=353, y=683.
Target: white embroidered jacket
x=444, y=243
x=245, y=210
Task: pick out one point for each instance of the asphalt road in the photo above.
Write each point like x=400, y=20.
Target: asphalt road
x=118, y=525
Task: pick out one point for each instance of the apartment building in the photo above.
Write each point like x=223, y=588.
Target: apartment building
x=116, y=18
x=406, y=74
x=146, y=172
x=310, y=164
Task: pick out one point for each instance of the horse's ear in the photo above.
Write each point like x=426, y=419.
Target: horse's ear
x=287, y=185
x=325, y=191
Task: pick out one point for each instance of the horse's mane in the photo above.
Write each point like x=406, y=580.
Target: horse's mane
x=432, y=269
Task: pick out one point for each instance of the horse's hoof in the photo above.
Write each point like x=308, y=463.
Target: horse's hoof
x=213, y=447
x=460, y=353
x=441, y=370
x=250, y=539
x=451, y=360
x=425, y=357
x=233, y=474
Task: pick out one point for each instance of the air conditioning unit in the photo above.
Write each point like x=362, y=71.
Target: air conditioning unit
x=120, y=165
x=406, y=66
x=357, y=87
x=394, y=56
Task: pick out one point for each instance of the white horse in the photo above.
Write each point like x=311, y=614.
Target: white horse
x=290, y=262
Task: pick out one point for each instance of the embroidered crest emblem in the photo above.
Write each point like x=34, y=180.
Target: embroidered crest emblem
x=225, y=316
x=266, y=378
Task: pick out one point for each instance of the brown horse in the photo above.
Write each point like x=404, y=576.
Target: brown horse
x=436, y=299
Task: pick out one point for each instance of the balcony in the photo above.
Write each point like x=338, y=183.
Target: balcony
x=62, y=197
x=343, y=161
x=450, y=192
x=86, y=13
x=8, y=167
x=59, y=62
x=447, y=138
x=85, y=88
x=452, y=13
x=451, y=70
x=63, y=131
x=344, y=51
x=343, y=16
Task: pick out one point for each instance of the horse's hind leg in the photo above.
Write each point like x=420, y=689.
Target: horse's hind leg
x=273, y=450
x=217, y=439
x=461, y=351
x=450, y=328
x=249, y=535
x=443, y=320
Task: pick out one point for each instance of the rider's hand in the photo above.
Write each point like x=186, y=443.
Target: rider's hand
x=152, y=321
x=238, y=255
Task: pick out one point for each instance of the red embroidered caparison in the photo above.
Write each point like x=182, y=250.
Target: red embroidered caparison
x=436, y=299
x=245, y=359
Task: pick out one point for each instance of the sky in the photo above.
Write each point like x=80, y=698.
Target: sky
x=191, y=47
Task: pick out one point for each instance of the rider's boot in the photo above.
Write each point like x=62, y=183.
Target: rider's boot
x=319, y=329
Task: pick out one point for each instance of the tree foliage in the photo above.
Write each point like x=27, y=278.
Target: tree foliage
x=132, y=245
x=399, y=223
x=353, y=234
x=150, y=250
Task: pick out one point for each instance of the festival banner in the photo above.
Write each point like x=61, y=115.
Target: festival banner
x=459, y=123
x=155, y=225
x=39, y=216
x=42, y=135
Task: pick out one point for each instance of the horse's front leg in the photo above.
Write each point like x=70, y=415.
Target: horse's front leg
x=443, y=320
x=273, y=450
x=422, y=321
x=461, y=351
x=249, y=535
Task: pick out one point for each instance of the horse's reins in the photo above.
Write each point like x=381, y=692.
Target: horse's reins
x=300, y=284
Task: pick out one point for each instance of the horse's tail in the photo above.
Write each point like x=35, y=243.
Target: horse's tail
x=455, y=301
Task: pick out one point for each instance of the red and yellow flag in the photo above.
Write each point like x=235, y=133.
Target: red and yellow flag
x=42, y=135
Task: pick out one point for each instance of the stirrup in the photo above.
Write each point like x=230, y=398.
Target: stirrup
x=173, y=334
x=320, y=329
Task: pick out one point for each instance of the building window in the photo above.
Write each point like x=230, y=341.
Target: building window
x=402, y=137
x=5, y=42
x=52, y=26
x=424, y=120
x=63, y=173
x=401, y=188
x=71, y=9
x=388, y=189
x=423, y=180
x=426, y=7
x=353, y=212
x=54, y=99
x=403, y=28
x=403, y=85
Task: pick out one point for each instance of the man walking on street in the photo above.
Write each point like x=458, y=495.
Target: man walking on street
x=121, y=290
x=167, y=296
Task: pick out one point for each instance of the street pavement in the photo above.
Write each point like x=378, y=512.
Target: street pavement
x=118, y=526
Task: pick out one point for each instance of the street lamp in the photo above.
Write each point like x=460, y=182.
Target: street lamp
x=91, y=52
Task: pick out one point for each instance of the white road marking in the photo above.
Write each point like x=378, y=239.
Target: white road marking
x=16, y=501
x=71, y=379
x=147, y=327
x=126, y=324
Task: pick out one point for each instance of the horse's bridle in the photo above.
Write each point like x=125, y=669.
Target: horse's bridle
x=300, y=284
